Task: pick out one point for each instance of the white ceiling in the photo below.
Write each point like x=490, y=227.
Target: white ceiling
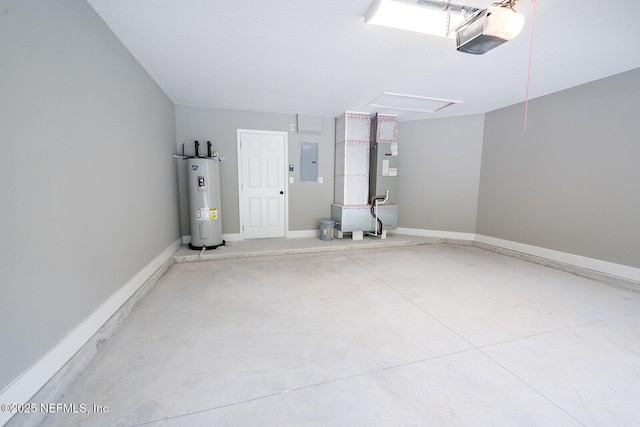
x=320, y=58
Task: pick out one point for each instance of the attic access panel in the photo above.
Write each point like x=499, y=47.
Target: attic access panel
x=422, y=104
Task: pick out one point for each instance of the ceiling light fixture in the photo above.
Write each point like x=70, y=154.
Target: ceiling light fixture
x=437, y=18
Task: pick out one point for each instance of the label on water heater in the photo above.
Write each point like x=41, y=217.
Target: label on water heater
x=194, y=167
x=206, y=214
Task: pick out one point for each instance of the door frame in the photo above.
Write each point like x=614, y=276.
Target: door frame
x=285, y=176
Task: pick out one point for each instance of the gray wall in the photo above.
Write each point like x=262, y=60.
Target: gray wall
x=308, y=201
x=439, y=167
x=439, y=173
x=87, y=184
x=571, y=181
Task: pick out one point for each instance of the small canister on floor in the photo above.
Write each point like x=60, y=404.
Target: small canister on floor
x=327, y=228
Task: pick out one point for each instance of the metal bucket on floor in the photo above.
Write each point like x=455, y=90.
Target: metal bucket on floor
x=327, y=228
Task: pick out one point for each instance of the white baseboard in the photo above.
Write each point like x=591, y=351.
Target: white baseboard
x=608, y=272
x=609, y=268
x=33, y=379
x=235, y=237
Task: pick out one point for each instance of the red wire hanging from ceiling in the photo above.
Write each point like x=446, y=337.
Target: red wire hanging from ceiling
x=526, y=102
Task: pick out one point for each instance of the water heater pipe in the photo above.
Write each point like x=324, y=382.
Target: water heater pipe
x=375, y=201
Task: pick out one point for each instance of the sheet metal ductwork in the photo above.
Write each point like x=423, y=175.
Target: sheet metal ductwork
x=366, y=174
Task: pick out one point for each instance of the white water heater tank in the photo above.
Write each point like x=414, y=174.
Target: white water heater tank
x=204, y=202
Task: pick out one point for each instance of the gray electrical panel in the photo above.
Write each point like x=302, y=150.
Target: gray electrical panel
x=309, y=161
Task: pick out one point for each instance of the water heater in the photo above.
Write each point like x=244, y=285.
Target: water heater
x=204, y=202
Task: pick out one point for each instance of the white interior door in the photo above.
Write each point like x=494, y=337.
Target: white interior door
x=262, y=162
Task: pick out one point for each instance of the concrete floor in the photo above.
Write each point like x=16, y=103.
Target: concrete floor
x=407, y=334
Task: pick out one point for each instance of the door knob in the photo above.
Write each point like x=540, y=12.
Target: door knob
x=282, y=192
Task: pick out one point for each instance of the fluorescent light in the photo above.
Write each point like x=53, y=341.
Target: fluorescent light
x=423, y=16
